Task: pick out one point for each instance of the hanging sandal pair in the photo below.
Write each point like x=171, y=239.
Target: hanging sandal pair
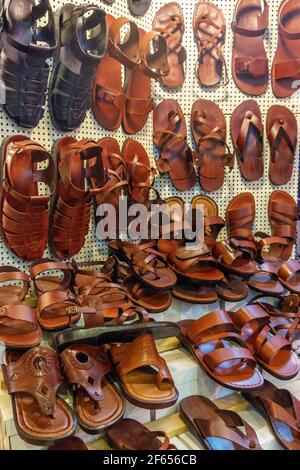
x=113, y=105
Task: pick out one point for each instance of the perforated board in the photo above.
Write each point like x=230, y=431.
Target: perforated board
x=227, y=98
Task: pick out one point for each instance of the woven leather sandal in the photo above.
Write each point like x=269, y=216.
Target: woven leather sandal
x=71, y=206
x=97, y=402
x=24, y=219
x=75, y=62
x=144, y=376
x=25, y=49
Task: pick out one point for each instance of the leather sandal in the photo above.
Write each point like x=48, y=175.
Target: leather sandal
x=234, y=260
x=97, y=402
x=210, y=339
x=139, y=7
x=108, y=99
x=138, y=94
x=282, y=132
x=232, y=289
x=240, y=216
x=215, y=428
x=19, y=328
x=195, y=265
x=209, y=30
x=213, y=223
x=143, y=375
x=286, y=65
x=209, y=132
x=170, y=137
x=171, y=234
x=81, y=45
x=72, y=202
x=129, y=434
x=140, y=175
x=57, y=307
x=71, y=443
x=281, y=410
x=33, y=379
x=148, y=265
x=247, y=137
x=283, y=213
x=26, y=47
x=24, y=220
x=266, y=280
x=250, y=68
x=169, y=22
x=194, y=294
x=272, y=351
x=289, y=276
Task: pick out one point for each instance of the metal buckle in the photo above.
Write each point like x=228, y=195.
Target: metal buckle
x=3, y=311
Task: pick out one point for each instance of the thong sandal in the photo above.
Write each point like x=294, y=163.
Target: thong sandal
x=169, y=22
x=210, y=341
x=240, y=216
x=72, y=202
x=108, y=99
x=209, y=131
x=272, y=351
x=24, y=211
x=97, y=402
x=235, y=261
x=149, y=266
x=26, y=47
x=82, y=44
x=154, y=64
x=247, y=137
x=282, y=132
x=195, y=265
x=283, y=212
x=129, y=434
x=144, y=376
x=250, y=68
x=57, y=306
x=170, y=137
x=209, y=30
x=281, y=410
x=215, y=428
x=286, y=66
x=32, y=379
x=139, y=174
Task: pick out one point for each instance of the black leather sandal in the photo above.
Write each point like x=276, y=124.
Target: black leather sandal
x=82, y=43
x=23, y=67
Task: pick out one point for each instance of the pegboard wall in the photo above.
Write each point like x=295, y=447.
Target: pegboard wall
x=227, y=98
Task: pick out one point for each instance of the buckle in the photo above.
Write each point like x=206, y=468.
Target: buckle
x=72, y=311
x=3, y=311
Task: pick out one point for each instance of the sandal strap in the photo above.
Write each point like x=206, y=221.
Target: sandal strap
x=250, y=120
x=279, y=131
x=289, y=270
x=154, y=65
x=288, y=69
x=19, y=313
x=255, y=66
x=126, y=53
x=10, y=273
x=262, y=24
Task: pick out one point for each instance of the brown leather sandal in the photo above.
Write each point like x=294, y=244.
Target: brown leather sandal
x=282, y=132
x=144, y=376
x=71, y=206
x=57, y=307
x=209, y=30
x=215, y=428
x=97, y=402
x=272, y=351
x=169, y=22
x=240, y=216
x=247, y=137
x=289, y=276
x=250, y=68
x=129, y=434
x=234, y=260
x=266, y=280
x=286, y=66
x=209, y=131
x=281, y=410
x=283, y=213
x=194, y=294
x=170, y=136
x=232, y=289
x=108, y=99
x=213, y=223
x=195, y=265
x=210, y=341
x=139, y=174
x=24, y=211
x=32, y=379
x=71, y=443
x=138, y=100
x=148, y=265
